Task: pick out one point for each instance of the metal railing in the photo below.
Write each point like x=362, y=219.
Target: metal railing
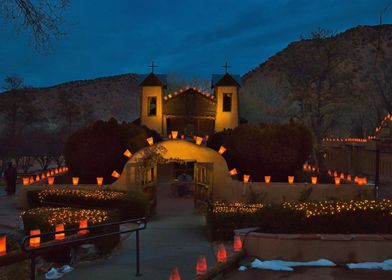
x=76, y=238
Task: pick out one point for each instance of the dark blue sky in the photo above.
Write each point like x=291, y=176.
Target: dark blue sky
x=183, y=36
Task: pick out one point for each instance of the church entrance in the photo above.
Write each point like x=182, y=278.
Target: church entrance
x=190, y=126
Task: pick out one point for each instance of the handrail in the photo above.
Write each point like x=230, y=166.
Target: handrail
x=75, y=239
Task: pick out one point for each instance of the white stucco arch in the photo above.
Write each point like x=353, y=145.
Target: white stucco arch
x=223, y=184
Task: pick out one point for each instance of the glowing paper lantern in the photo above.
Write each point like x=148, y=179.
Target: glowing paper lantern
x=60, y=236
x=290, y=179
x=329, y=172
x=37, y=178
x=182, y=136
x=3, y=245
x=127, y=153
x=174, y=274
x=99, y=181
x=174, y=134
x=356, y=179
x=43, y=176
x=50, y=181
x=48, y=174
x=25, y=182
x=75, y=181
x=267, y=179
x=82, y=226
x=35, y=241
x=237, y=243
x=56, y=171
x=221, y=255
x=201, y=266
x=207, y=137
x=313, y=168
x=314, y=180
x=246, y=178
x=309, y=167
x=115, y=174
x=337, y=181
x=233, y=172
x=304, y=167
x=335, y=174
x=222, y=150
x=198, y=140
x=31, y=180
x=150, y=141
x=348, y=178
x=51, y=173
x=342, y=176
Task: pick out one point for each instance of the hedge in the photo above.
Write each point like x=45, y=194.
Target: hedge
x=334, y=217
x=130, y=205
x=277, y=150
x=46, y=219
x=97, y=150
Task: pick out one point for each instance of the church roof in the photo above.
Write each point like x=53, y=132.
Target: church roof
x=152, y=79
x=191, y=102
x=225, y=80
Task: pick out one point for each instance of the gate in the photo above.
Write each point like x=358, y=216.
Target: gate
x=203, y=178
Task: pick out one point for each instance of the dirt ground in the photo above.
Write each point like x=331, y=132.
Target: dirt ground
x=310, y=273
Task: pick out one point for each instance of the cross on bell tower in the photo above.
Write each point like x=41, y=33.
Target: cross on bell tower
x=226, y=67
x=152, y=66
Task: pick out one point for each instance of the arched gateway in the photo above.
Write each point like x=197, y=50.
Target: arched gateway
x=210, y=172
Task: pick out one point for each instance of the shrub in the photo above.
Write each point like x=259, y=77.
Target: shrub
x=47, y=218
x=278, y=150
x=130, y=205
x=97, y=150
x=335, y=217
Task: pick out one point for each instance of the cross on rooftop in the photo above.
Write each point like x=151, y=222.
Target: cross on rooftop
x=152, y=66
x=226, y=66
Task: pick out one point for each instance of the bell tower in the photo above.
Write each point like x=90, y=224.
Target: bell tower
x=226, y=89
x=151, y=97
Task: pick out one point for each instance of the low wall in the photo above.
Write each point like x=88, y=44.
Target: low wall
x=284, y=192
x=339, y=248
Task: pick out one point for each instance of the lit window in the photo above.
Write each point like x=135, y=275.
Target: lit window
x=152, y=106
x=226, y=102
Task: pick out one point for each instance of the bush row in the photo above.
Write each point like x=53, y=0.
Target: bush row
x=46, y=218
x=354, y=217
x=129, y=205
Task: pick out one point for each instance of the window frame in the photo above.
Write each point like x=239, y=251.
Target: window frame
x=224, y=104
x=149, y=99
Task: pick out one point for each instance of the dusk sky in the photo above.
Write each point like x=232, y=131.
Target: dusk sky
x=193, y=38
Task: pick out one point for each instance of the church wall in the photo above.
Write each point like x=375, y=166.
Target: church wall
x=226, y=119
x=153, y=122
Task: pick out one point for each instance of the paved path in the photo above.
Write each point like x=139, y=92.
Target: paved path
x=176, y=237
x=9, y=211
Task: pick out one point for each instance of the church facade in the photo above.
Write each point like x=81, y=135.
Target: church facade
x=189, y=111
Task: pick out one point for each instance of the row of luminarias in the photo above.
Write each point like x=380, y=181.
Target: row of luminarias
x=202, y=92
x=201, y=264
x=49, y=175
x=338, y=177
x=35, y=239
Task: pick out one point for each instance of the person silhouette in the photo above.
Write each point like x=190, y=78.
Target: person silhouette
x=10, y=178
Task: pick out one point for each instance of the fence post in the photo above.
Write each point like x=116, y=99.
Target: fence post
x=32, y=267
x=137, y=254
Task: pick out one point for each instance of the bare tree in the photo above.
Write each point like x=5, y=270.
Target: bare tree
x=13, y=83
x=69, y=109
x=41, y=18
x=316, y=82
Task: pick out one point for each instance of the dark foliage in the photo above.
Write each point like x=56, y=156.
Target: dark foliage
x=131, y=205
x=278, y=150
x=61, y=255
x=276, y=219
x=97, y=150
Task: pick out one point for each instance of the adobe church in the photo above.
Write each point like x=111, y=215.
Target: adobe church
x=190, y=111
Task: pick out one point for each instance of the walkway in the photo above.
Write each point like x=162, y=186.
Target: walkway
x=176, y=237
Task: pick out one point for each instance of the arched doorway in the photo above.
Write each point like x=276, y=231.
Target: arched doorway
x=206, y=168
